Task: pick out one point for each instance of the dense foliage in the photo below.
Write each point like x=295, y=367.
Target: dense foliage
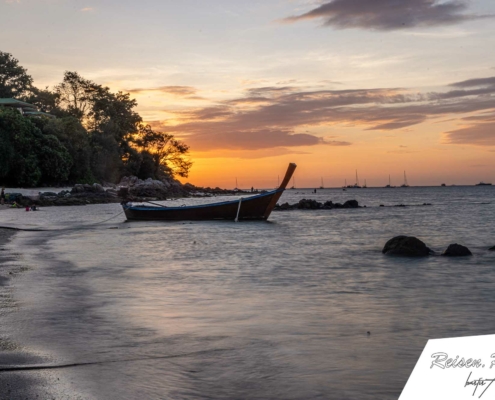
x=97, y=135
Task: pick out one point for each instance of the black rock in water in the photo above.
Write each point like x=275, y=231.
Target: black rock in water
x=351, y=204
x=407, y=246
x=457, y=250
x=492, y=248
x=308, y=204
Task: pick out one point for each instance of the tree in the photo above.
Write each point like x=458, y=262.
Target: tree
x=75, y=94
x=32, y=157
x=73, y=136
x=14, y=79
x=54, y=160
x=168, y=153
x=46, y=101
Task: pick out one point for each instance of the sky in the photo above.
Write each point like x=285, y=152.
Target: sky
x=338, y=86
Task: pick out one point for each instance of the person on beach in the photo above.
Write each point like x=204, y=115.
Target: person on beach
x=2, y=197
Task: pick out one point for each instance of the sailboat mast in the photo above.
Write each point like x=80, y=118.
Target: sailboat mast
x=357, y=180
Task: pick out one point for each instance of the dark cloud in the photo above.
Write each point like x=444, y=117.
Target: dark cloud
x=175, y=90
x=271, y=90
x=277, y=118
x=490, y=82
x=206, y=114
x=482, y=134
x=386, y=15
x=255, y=140
x=254, y=154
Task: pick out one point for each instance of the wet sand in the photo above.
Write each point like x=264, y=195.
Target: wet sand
x=26, y=384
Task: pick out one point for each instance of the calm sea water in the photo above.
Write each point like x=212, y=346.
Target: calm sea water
x=276, y=310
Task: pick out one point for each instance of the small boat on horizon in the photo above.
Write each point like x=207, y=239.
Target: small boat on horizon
x=253, y=208
x=483, y=184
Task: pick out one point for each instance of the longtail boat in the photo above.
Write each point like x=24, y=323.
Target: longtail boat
x=251, y=208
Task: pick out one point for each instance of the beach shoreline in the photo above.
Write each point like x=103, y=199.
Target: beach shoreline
x=18, y=385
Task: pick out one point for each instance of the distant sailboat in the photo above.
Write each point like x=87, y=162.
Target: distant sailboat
x=236, y=186
x=389, y=184
x=364, y=186
x=405, y=181
x=356, y=185
x=293, y=182
x=322, y=187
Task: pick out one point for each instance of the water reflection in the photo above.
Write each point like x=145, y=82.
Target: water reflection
x=261, y=310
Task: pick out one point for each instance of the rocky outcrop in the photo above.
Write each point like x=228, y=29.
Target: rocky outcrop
x=492, y=248
x=407, y=246
x=457, y=250
x=309, y=204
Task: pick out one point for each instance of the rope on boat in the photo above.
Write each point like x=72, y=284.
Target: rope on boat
x=83, y=364
x=238, y=210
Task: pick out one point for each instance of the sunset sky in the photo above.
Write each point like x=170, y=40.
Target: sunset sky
x=380, y=86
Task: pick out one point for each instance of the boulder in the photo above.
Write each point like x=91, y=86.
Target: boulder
x=457, y=250
x=98, y=188
x=351, y=204
x=328, y=205
x=284, y=206
x=78, y=188
x=308, y=204
x=408, y=246
x=48, y=194
x=492, y=248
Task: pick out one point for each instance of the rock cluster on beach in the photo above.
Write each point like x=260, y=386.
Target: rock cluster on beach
x=410, y=246
x=309, y=204
x=131, y=188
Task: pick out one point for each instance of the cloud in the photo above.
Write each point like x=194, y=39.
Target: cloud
x=87, y=9
x=252, y=140
x=387, y=15
x=179, y=91
x=253, y=154
x=271, y=117
x=476, y=82
x=482, y=134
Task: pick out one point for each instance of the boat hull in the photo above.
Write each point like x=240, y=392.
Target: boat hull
x=254, y=208
x=251, y=208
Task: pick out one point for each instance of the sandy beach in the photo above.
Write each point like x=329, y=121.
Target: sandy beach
x=19, y=385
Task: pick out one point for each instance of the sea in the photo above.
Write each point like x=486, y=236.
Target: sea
x=304, y=306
